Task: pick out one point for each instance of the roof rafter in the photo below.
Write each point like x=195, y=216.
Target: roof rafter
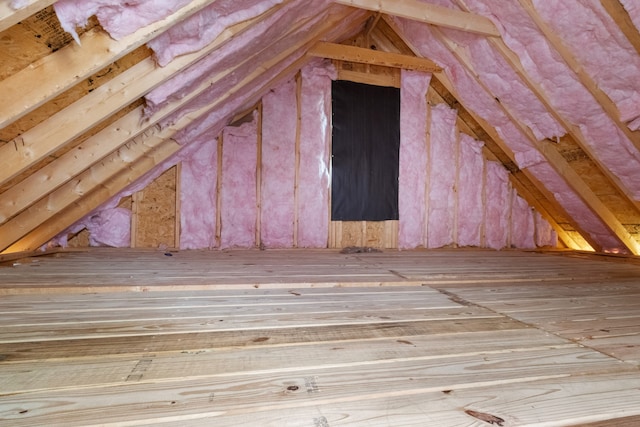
x=10, y=16
x=429, y=13
x=555, y=159
x=73, y=63
x=619, y=14
x=71, y=202
x=493, y=135
x=61, y=128
x=600, y=96
x=95, y=148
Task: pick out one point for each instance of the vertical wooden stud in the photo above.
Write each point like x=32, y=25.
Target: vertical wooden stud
x=136, y=198
x=456, y=187
x=176, y=242
x=219, y=193
x=259, y=178
x=425, y=237
x=297, y=158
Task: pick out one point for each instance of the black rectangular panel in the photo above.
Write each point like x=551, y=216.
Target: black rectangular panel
x=366, y=144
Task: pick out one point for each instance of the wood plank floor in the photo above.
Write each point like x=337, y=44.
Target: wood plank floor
x=318, y=338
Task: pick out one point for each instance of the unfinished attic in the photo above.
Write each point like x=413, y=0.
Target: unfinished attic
x=320, y=213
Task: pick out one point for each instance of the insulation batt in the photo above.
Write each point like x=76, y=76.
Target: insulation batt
x=110, y=227
x=413, y=159
x=19, y=4
x=442, y=177
x=315, y=135
x=472, y=95
x=504, y=83
x=597, y=42
x=470, y=191
x=279, y=123
x=566, y=94
x=497, y=207
x=226, y=57
x=238, y=190
x=478, y=100
x=198, y=190
x=203, y=27
x=119, y=18
x=577, y=209
x=545, y=234
x=522, y=224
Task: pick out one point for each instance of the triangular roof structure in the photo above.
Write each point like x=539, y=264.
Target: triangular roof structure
x=551, y=88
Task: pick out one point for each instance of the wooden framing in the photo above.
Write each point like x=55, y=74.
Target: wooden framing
x=10, y=16
x=558, y=163
x=369, y=56
x=74, y=63
x=429, y=13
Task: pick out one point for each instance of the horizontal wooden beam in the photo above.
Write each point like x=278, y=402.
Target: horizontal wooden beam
x=10, y=16
x=58, y=71
x=429, y=13
x=374, y=57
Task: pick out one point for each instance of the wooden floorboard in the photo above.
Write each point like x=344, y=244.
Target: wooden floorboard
x=318, y=338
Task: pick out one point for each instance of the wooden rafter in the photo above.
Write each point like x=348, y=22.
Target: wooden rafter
x=429, y=13
x=95, y=148
x=73, y=63
x=369, y=56
x=71, y=202
x=618, y=13
x=491, y=134
x=600, y=96
x=555, y=160
x=10, y=16
x=61, y=128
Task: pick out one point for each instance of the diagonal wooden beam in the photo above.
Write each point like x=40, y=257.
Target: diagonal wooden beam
x=10, y=16
x=601, y=97
x=60, y=129
x=429, y=13
x=619, y=14
x=46, y=179
x=45, y=79
x=65, y=206
x=375, y=57
x=75, y=199
x=554, y=158
x=518, y=178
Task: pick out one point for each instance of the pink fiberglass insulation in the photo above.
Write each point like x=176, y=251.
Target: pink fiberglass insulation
x=441, y=202
x=497, y=206
x=413, y=158
x=110, y=227
x=234, y=53
x=315, y=135
x=501, y=79
x=238, y=190
x=469, y=92
x=565, y=92
x=119, y=18
x=19, y=4
x=545, y=234
x=577, y=209
x=522, y=223
x=202, y=28
x=279, y=123
x=198, y=183
x=470, y=190
x=599, y=44
x=633, y=9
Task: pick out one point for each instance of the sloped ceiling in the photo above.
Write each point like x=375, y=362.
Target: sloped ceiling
x=552, y=88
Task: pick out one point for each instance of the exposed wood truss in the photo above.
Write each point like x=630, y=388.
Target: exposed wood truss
x=370, y=56
x=429, y=13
